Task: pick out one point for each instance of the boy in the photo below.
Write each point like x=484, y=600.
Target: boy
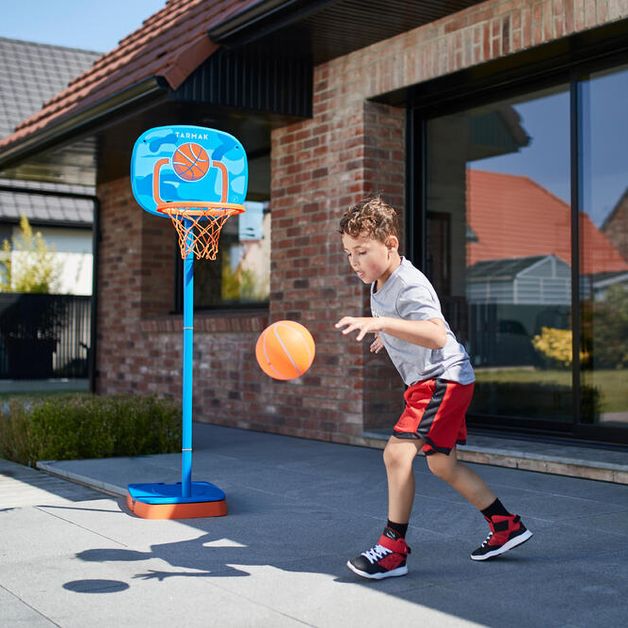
x=407, y=322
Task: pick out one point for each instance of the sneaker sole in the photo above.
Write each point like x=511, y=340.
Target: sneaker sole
x=400, y=571
x=518, y=540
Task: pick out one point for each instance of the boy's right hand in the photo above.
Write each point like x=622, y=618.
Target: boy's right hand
x=377, y=345
x=362, y=324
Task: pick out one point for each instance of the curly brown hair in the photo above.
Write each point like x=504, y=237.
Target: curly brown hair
x=371, y=217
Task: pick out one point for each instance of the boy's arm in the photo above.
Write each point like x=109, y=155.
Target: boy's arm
x=429, y=333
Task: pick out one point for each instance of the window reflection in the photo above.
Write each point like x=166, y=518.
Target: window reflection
x=604, y=243
x=240, y=274
x=501, y=173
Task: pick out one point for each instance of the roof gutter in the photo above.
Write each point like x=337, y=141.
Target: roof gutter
x=58, y=132
x=263, y=18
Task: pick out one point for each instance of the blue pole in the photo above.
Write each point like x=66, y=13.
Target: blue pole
x=188, y=353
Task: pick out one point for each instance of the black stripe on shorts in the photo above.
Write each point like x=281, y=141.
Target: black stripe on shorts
x=432, y=408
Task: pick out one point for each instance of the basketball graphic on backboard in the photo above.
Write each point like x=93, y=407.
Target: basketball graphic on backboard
x=190, y=161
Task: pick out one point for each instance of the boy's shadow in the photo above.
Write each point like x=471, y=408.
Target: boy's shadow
x=226, y=544
x=196, y=558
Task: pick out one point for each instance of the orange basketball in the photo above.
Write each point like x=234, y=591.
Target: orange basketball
x=285, y=350
x=190, y=161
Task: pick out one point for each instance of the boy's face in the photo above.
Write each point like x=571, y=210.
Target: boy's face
x=370, y=259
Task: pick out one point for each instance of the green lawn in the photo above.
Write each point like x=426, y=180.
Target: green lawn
x=612, y=384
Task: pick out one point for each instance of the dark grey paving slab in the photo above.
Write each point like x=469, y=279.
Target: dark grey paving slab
x=614, y=523
x=112, y=573
x=298, y=510
x=550, y=484
x=567, y=451
x=569, y=593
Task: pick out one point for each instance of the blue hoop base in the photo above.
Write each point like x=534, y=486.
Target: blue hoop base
x=165, y=501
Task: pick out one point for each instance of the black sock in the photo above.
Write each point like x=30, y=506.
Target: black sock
x=496, y=508
x=399, y=528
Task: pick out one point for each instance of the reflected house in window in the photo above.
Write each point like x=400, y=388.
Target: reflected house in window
x=496, y=132
x=519, y=265
x=605, y=271
x=520, y=281
x=518, y=225
x=615, y=225
x=241, y=273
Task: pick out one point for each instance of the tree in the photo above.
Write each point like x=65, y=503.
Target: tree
x=28, y=264
x=610, y=329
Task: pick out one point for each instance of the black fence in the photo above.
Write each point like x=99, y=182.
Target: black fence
x=501, y=335
x=44, y=336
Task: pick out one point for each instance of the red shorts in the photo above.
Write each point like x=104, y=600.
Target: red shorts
x=436, y=413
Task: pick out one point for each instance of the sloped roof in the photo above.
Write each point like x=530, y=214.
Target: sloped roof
x=513, y=216
x=31, y=73
x=46, y=203
x=505, y=269
x=170, y=44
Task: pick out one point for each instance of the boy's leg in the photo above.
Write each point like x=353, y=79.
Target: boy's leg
x=461, y=478
x=507, y=530
x=388, y=556
x=399, y=455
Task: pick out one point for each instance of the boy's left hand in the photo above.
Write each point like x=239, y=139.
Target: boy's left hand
x=365, y=325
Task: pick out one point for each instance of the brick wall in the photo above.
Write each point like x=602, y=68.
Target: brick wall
x=139, y=342
x=352, y=147
x=484, y=32
x=349, y=148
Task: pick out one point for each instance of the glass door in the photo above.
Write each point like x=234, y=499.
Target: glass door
x=498, y=248
x=603, y=243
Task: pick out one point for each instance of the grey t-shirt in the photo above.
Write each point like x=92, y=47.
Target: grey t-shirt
x=409, y=295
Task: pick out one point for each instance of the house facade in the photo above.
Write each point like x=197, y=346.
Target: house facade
x=30, y=74
x=495, y=127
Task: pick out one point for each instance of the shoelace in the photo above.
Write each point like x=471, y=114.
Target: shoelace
x=488, y=538
x=376, y=553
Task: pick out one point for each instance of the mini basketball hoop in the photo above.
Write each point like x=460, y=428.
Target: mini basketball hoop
x=199, y=228
x=198, y=178
x=197, y=223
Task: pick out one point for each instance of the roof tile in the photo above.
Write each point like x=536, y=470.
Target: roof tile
x=45, y=209
x=30, y=73
x=170, y=44
x=513, y=216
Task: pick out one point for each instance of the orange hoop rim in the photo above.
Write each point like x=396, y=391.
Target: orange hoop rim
x=200, y=208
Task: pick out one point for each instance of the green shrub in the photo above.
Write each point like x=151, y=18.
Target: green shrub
x=79, y=426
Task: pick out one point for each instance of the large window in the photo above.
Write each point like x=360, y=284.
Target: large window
x=604, y=244
x=521, y=195
x=239, y=277
x=500, y=174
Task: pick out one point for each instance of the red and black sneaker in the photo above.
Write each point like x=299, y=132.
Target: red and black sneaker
x=506, y=533
x=386, y=559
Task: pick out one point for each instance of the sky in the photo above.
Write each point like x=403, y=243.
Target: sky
x=96, y=25
x=546, y=159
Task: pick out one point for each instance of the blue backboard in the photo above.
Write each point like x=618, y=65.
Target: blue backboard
x=181, y=163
